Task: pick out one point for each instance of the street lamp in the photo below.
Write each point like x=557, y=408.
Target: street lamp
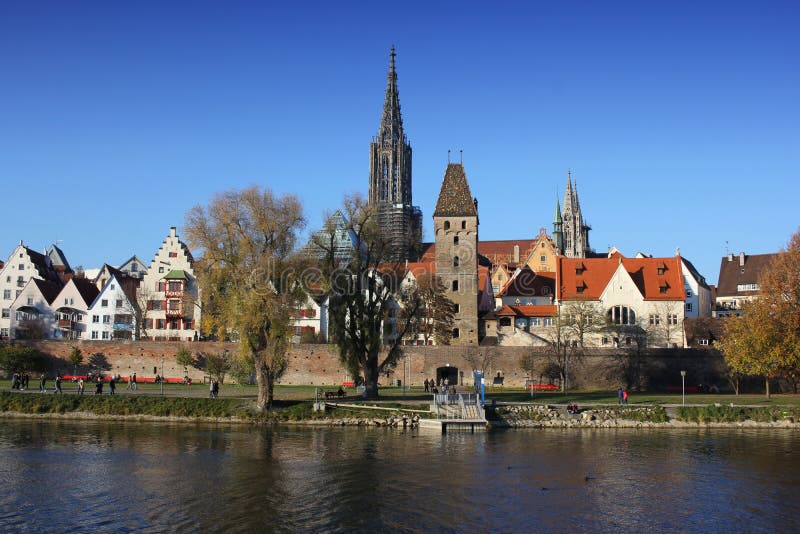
x=162, y=376
x=683, y=388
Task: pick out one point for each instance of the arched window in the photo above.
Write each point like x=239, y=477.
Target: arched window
x=455, y=261
x=621, y=315
x=447, y=225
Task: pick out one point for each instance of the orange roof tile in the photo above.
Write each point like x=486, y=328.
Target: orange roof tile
x=656, y=278
x=526, y=311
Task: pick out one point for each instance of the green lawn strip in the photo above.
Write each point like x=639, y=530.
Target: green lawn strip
x=738, y=414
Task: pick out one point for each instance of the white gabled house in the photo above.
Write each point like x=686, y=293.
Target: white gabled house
x=113, y=313
x=32, y=310
x=311, y=319
x=71, y=306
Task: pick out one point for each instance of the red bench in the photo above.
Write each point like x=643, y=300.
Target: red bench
x=543, y=387
x=349, y=384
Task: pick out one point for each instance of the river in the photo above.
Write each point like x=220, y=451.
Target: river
x=64, y=476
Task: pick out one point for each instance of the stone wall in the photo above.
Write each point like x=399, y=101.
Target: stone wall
x=319, y=364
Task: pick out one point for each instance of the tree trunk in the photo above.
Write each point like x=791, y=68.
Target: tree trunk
x=371, y=381
x=263, y=402
x=766, y=380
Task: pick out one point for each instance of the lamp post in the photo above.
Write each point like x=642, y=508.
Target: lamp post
x=162, y=376
x=683, y=388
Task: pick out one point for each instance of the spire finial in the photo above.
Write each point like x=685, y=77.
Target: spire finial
x=461, y=156
x=392, y=54
x=448, y=156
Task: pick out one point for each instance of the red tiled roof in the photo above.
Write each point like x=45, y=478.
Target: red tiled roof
x=593, y=275
x=526, y=311
x=421, y=268
x=496, y=251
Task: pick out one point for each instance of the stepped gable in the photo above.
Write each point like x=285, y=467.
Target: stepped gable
x=455, y=198
x=43, y=266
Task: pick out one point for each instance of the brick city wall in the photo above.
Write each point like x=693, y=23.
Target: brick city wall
x=319, y=364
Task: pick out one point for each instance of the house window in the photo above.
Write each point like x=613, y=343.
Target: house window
x=119, y=303
x=548, y=321
x=688, y=306
x=174, y=286
x=105, y=335
x=66, y=301
x=672, y=319
x=134, y=267
x=159, y=324
x=106, y=319
x=94, y=334
x=580, y=289
x=161, y=270
x=688, y=293
x=30, y=301
x=7, y=294
x=95, y=318
x=455, y=261
x=21, y=266
x=704, y=342
x=455, y=285
x=655, y=319
x=747, y=287
x=621, y=315
x=4, y=332
x=447, y=225
x=154, y=304
x=543, y=258
x=579, y=270
x=505, y=321
x=604, y=341
x=536, y=321
x=660, y=271
x=456, y=333
x=627, y=341
x=6, y=313
x=662, y=289
x=455, y=240
x=104, y=303
x=173, y=254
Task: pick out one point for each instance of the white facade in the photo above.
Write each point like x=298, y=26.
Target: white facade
x=698, y=294
x=22, y=265
x=133, y=267
x=35, y=305
x=172, y=294
x=70, y=309
x=112, y=315
x=312, y=317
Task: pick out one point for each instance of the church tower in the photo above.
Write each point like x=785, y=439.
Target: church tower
x=455, y=224
x=390, y=177
x=575, y=234
x=558, y=234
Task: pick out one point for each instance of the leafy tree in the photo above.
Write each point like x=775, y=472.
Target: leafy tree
x=249, y=276
x=32, y=329
x=365, y=294
x=184, y=358
x=75, y=358
x=434, y=317
x=20, y=359
x=765, y=340
x=217, y=364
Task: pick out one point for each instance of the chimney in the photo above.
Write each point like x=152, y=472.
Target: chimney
x=730, y=256
x=741, y=259
x=516, y=253
x=173, y=232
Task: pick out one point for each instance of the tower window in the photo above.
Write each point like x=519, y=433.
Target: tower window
x=455, y=333
x=447, y=225
x=455, y=240
x=455, y=285
x=456, y=308
x=455, y=261
x=463, y=225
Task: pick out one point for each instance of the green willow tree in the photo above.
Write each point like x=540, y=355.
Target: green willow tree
x=249, y=275
x=765, y=340
x=365, y=295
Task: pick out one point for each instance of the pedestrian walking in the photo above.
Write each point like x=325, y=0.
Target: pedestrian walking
x=112, y=386
x=211, y=389
x=216, y=389
x=80, y=386
x=15, y=381
x=427, y=388
x=58, y=385
x=98, y=387
x=43, y=383
x=133, y=382
x=26, y=378
x=619, y=394
x=625, y=397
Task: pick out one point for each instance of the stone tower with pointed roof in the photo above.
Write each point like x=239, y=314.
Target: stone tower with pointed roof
x=390, y=177
x=455, y=223
x=574, y=232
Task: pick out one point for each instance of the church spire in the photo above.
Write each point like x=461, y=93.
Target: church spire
x=391, y=129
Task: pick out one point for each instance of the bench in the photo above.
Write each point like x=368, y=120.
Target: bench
x=543, y=387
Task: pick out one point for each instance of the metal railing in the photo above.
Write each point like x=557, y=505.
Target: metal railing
x=457, y=405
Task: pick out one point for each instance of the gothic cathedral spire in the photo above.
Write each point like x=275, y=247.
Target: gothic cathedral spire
x=390, y=176
x=574, y=233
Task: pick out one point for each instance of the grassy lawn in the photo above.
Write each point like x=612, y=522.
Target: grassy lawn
x=610, y=397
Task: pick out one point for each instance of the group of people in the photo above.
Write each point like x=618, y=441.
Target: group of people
x=20, y=381
x=622, y=394
x=432, y=386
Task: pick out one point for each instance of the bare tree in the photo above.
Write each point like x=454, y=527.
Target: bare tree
x=434, y=318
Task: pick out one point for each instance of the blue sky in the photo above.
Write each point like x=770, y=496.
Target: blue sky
x=678, y=119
